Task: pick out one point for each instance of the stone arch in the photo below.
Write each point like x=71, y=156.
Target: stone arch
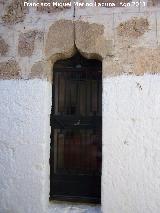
x=64, y=38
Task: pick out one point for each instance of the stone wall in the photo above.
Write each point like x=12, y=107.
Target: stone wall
x=126, y=39
x=124, y=34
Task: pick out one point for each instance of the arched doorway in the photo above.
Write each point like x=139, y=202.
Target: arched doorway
x=76, y=130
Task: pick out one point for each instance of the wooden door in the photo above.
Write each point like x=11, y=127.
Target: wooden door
x=76, y=130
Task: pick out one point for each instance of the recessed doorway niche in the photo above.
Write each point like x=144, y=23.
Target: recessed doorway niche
x=76, y=130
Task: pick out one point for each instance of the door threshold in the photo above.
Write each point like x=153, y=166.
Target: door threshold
x=77, y=199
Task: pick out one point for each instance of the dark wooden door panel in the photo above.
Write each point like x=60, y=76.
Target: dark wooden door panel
x=77, y=188
x=76, y=135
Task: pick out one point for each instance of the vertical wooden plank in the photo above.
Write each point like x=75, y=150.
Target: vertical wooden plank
x=94, y=96
x=88, y=97
x=94, y=152
x=71, y=151
x=56, y=94
x=66, y=148
x=67, y=93
x=88, y=151
x=73, y=94
x=77, y=151
x=82, y=150
x=82, y=98
x=61, y=92
x=68, y=161
x=60, y=151
x=55, y=150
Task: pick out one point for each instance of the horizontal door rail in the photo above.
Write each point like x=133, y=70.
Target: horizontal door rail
x=81, y=122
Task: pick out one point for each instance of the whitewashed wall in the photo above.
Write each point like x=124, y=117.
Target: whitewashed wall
x=24, y=142
x=131, y=147
x=25, y=108
x=131, y=144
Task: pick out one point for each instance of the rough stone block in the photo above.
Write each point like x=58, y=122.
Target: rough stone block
x=60, y=39
x=41, y=70
x=134, y=27
x=3, y=47
x=144, y=60
x=90, y=40
x=15, y=12
x=153, y=2
x=9, y=70
x=26, y=42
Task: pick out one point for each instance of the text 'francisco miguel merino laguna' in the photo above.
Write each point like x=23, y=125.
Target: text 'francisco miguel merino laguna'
x=69, y=4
